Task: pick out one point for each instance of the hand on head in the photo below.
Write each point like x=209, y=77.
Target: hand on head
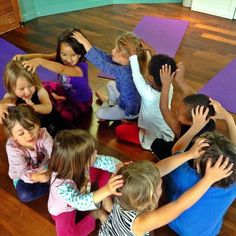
x=199, y=117
x=79, y=37
x=198, y=148
x=165, y=74
x=220, y=112
x=31, y=65
x=17, y=57
x=114, y=183
x=4, y=111
x=129, y=46
x=221, y=169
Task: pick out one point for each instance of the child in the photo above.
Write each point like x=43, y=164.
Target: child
x=135, y=210
x=150, y=122
x=181, y=121
x=123, y=100
x=72, y=94
x=25, y=87
x=28, y=150
x=76, y=168
x=214, y=204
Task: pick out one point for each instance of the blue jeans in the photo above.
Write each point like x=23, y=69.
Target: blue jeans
x=28, y=192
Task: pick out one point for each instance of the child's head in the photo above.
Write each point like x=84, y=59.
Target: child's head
x=19, y=82
x=142, y=186
x=69, y=50
x=120, y=54
x=191, y=102
x=73, y=153
x=219, y=145
x=22, y=123
x=155, y=65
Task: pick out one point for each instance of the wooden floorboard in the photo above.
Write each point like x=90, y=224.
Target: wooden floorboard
x=203, y=58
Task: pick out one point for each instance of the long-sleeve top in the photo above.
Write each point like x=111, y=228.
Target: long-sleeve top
x=23, y=161
x=64, y=195
x=129, y=99
x=150, y=116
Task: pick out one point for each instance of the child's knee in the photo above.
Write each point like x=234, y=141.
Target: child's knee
x=24, y=196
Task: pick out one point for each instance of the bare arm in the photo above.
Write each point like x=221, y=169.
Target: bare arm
x=162, y=216
x=48, y=56
x=180, y=82
x=223, y=114
x=199, y=117
x=53, y=66
x=169, y=164
x=168, y=115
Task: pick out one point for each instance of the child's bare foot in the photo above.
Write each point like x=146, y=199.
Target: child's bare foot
x=100, y=215
x=101, y=97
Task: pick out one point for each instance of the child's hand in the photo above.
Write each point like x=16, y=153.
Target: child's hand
x=199, y=117
x=114, y=183
x=32, y=65
x=40, y=177
x=220, y=112
x=220, y=170
x=4, y=111
x=129, y=46
x=165, y=74
x=17, y=57
x=198, y=148
x=28, y=102
x=79, y=37
x=179, y=76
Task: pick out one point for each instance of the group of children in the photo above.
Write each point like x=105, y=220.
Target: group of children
x=192, y=155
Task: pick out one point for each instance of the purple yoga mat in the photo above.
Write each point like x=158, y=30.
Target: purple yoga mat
x=7, y=51
x=222, y=87
x=162, y=34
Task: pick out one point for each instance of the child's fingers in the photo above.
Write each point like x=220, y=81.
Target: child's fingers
x=219, y=161
x=225, y=163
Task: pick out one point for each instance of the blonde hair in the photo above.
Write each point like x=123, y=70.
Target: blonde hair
x=142, y=52
x=141, y=179
x=71, y=153
x=14, y=70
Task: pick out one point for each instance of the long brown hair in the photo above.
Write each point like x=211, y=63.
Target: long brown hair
x=71, y=154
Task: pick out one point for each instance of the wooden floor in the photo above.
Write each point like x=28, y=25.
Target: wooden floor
x=208, y=45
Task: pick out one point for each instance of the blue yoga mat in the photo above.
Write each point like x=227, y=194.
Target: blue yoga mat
x=7, y=51
x=222, y=87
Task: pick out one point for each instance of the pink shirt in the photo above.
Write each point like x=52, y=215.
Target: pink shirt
x=20, y=158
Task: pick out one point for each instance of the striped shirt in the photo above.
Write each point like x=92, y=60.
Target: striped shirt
x=119, y=222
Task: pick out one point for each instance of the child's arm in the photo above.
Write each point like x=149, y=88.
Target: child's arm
x=98, y=58
x=107, y=163
x=46, y=106
x=90, y=201
x=163, y=215
x=47, y=56
x=7, y=101
x=179, y=79
x=223, y=114
x=199, y=117
x=53, y=66
x=168, y=115
x=169, y=164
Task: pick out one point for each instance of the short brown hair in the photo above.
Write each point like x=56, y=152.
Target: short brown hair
x=141, y=179
x=72, y=151
x=219, y=145
x=15, y=69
